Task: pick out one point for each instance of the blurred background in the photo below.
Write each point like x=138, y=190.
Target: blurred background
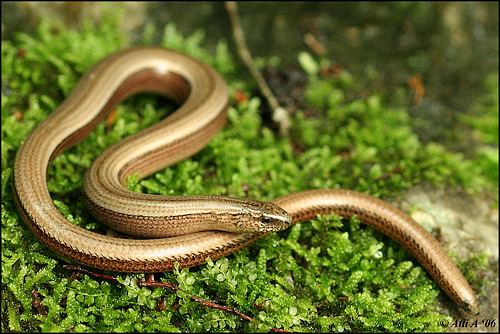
x=434, y=58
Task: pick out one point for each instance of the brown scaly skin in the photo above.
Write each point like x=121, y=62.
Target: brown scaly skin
x=180, y=135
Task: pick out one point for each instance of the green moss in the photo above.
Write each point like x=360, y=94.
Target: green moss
x=326, y=275
x=484, y=122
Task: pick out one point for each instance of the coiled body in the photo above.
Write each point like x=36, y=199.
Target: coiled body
x=187, y=230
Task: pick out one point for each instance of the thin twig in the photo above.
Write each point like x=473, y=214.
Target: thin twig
x=208, y=303
x=202, y=301
x=153, y=284
x=280, y=115
x=149, y=281
x=90, y=273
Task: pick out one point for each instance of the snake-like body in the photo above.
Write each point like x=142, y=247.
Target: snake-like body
x=182, y=229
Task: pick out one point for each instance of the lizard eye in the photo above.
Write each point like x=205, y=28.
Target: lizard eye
x=266, y=220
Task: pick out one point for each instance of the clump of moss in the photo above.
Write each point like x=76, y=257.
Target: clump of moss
x=484, y=122
x=324, y=275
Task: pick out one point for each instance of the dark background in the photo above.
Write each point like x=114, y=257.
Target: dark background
x=451, y=46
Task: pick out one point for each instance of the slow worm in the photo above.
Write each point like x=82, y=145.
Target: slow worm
x=183, y=229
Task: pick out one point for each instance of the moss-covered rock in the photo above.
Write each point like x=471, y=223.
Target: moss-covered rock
x=324, y=275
